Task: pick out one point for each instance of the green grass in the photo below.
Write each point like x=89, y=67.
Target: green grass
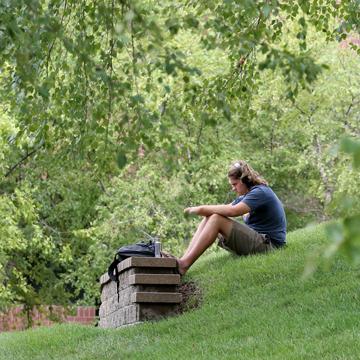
x=256, y=307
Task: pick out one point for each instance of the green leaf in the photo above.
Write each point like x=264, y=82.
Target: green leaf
x=266, y=10
x=302, y=22
x=352, y=233
x=121, y=159
x=169, y=68
x=173, y=25
x=191, y=21
x=352, y=146
x=44, y=91
x=335, y=232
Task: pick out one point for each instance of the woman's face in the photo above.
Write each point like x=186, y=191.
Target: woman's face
x=238, y=186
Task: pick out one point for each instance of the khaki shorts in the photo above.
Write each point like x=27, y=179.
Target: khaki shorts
x=245, y=241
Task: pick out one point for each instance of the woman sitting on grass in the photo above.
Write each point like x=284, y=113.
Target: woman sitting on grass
x=262, y=211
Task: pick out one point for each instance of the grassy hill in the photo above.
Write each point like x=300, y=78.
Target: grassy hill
x=256, y=307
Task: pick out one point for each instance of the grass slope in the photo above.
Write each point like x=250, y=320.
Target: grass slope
x=255, y=307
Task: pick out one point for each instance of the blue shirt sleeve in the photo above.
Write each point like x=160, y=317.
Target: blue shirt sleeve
x=255, y=198
x=237, y=200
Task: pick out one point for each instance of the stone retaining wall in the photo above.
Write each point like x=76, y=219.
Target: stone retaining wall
x=147, y=290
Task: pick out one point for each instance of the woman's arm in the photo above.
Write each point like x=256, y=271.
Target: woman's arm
x=224, y=210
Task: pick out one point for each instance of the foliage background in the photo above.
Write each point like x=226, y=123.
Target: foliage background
x=114, y=116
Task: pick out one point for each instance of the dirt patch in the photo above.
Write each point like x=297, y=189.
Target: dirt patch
x=191, y=296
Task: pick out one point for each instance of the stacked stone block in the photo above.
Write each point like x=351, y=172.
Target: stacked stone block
x=147, y=290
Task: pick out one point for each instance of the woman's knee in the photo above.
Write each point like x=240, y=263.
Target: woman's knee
x=222, y=223
x=218, y=220
x=215, y=218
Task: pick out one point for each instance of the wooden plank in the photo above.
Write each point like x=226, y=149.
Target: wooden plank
x=156, y=297
x=154, y=279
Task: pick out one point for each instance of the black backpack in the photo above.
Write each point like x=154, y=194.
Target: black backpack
x=138, y=249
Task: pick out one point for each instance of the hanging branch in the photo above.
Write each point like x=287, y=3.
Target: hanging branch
x=24, y=158
x=133, y=58
x=240, y=66
x=48, y=57
x=319, y=152
x=86, y=89
x=134, y=66
x=111, y=70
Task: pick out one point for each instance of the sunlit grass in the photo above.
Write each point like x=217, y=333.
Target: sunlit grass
x=258, y=307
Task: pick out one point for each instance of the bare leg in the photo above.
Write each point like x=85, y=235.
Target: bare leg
x=196, y=235
x=214, y=225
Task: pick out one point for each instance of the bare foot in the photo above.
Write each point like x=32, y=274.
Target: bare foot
x=181, y=267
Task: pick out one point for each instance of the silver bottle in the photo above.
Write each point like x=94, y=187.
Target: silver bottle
x=157, y=249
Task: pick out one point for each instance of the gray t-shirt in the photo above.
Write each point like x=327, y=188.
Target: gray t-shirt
x=267, y=215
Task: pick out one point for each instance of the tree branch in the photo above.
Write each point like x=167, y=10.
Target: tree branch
x=21, y=161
